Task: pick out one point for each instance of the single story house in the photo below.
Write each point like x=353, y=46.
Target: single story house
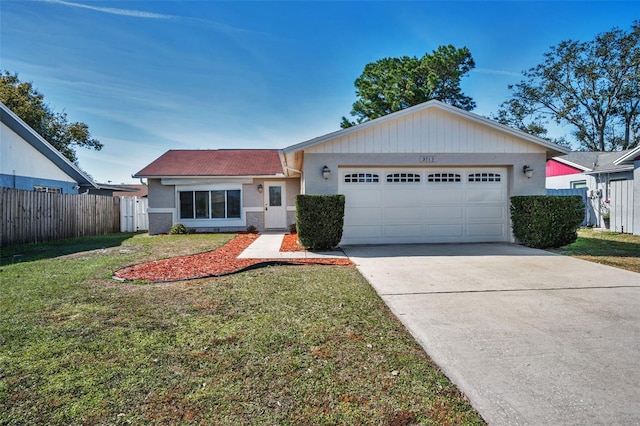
x=28, y=162
x=429, y=173
x=608, y=178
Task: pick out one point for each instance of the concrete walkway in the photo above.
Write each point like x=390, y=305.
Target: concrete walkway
x=532, y=338
x=267, y=246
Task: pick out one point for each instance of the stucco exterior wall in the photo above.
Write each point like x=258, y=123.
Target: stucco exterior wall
x=160, y=223
x=161, y=196
x=519, y=184
x=163, y=211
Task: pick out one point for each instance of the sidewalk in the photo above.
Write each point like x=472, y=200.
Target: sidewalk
x=267, y=246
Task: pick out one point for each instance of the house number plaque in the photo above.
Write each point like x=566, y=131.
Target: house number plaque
x=427, y=159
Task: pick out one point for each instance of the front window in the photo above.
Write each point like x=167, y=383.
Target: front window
x=55, y=190
x=217, y=204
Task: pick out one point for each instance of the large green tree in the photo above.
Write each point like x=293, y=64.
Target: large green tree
x=28, y=104
x=393, y=84
x=593, y=87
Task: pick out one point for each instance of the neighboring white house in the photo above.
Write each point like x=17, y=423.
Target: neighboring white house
x=29, y=162
x=611, y=180
x=429, y=173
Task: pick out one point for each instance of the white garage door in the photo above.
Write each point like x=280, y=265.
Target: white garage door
x=386, y=205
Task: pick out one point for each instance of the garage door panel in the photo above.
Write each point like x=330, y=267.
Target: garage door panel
x=444, y=214
x=363, y=216
x=453, y=205
x=363, y=197
x=403, y=215
x=444, y=195
x=488, y=230
x=403, y=231
x=485, y=195
x=454, y=232
x=404, y=197
x=483, y=213
x=362, y=232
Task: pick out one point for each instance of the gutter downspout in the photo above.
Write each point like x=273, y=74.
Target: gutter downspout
x=283, y=160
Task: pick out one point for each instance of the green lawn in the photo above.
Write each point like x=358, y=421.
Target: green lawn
x=609, y=248
x=280, y=345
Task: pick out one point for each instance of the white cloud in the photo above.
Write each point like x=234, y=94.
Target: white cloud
x=115, y=11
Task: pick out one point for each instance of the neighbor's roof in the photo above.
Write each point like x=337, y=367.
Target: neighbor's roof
x=22, y=129
x=137, y=190
x=598, y=162
x=214, y=163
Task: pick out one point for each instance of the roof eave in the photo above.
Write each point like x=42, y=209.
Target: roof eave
x=571, y=164
x=268, y=176
x=629, y=156
x=609, y=171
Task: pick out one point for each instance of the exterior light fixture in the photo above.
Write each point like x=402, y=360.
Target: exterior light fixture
x=528, y=171
x=260, y=188
x=326, y=172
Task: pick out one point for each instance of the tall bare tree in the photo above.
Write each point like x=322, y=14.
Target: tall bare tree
x=591, y=86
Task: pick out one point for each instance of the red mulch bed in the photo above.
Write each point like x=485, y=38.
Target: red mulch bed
x=290, y=243
x=219, y=262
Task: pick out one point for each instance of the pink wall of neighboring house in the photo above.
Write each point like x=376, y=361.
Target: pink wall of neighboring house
x=556, y=168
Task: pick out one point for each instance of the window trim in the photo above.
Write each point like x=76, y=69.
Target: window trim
x=484, y=177
x=449, y=177
x=403, y=177
x=47, y=189
x=361, y=177
x=209, y=190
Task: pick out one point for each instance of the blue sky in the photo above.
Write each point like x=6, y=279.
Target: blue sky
x=148, y=76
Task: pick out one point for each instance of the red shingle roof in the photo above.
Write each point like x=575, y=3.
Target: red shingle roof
x=215, y=162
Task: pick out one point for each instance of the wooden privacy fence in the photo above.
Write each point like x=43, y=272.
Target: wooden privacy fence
x=34, y=217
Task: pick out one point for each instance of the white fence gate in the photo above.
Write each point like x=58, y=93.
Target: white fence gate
x=133, y=214
x=621, y=206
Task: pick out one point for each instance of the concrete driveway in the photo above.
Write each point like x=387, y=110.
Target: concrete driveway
x=532, y=338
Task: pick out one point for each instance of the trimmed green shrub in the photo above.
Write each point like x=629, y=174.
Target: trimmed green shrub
x=319, y=220
x=178, y=228
x=546, y=221
x=252, y=229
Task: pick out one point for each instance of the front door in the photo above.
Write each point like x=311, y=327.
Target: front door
x=275, y=205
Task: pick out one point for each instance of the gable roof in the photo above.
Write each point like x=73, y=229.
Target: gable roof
x=554, y=148
x=214, y=163
x=22, y=129
x=600, y=162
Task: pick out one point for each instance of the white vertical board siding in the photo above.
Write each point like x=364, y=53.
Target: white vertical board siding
x=621, y=206
x=20, y=158
x=430, y=130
